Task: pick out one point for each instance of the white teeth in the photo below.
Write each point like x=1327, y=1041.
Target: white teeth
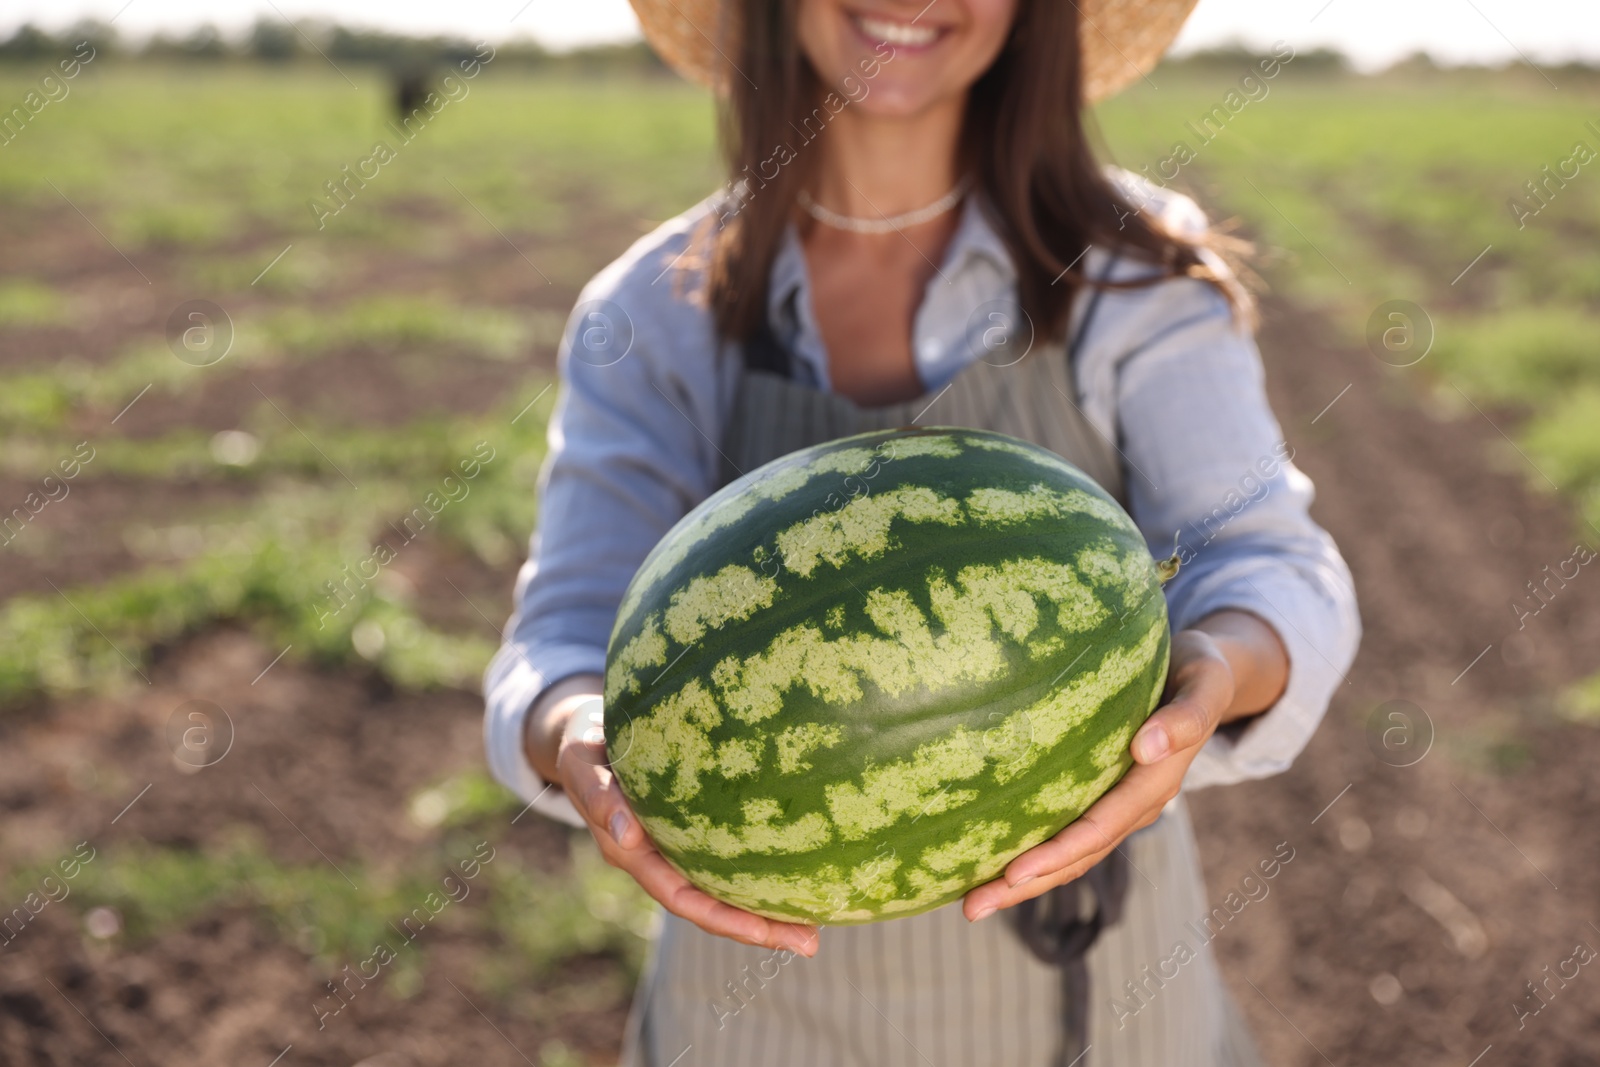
x=900, y=33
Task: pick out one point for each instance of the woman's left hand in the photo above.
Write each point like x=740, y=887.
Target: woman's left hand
x=1201, y=686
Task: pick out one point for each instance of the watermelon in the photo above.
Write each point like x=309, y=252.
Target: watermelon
x=857, y=682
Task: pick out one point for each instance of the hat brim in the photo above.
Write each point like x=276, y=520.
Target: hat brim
x=1121, y=40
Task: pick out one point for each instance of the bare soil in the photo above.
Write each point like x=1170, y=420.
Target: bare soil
x=1442, y=524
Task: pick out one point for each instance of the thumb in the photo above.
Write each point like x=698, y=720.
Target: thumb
x=590, y=778
x=1191, y=716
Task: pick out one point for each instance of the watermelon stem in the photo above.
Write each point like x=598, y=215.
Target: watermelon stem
x=1167, y=569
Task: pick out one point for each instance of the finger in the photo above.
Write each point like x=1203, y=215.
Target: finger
x=583, y=779
x=1189, y=718
x=593, y=789
x=594, y=792
x=997, y=894
x=675, y=893
x=1141, y=793
x=993, y=896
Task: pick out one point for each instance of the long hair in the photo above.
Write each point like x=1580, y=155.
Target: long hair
x=1025, y=144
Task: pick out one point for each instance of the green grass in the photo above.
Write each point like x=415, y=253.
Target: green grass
x=427, y=445
x=201, y=157
x=545, y=918
x=24, y=302
x=1389, y=188
x=1524, y=354
x=1581, y=702
x=1398, y=182
x=268, y=564
x=419, y=334
x=337, y=917
x=461, y=799
x=267, y=571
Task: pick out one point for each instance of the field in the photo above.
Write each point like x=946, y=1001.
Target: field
x=259, y=760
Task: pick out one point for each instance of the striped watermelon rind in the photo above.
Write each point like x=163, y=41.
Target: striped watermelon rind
x=857, y=682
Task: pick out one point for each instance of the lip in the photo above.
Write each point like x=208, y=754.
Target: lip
x=857, y=18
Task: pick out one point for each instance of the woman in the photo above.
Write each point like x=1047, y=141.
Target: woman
x=915, y=229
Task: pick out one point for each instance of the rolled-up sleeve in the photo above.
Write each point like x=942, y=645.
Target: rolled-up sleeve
x=1210, y=474
x=630, y=452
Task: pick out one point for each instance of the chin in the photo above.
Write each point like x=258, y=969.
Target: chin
x=898, y=101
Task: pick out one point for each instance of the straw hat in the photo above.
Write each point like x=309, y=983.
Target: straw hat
x=1121, y=39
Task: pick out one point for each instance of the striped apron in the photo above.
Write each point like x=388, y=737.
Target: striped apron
x=933, y=990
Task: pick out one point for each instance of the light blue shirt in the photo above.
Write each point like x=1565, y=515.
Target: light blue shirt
x=1163, y=371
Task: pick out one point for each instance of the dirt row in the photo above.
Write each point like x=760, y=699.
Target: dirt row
x=1366, y=952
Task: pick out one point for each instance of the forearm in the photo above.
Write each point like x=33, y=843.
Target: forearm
x=548, y=719
x=1256, y=654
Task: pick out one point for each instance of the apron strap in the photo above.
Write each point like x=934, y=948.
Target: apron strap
x=764, y=352
x=1053, y=928
x=1095, y=293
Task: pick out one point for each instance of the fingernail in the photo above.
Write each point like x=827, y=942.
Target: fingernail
x=619, y=826
x=1153, y=744
x=1024, y=880
x=983, y=913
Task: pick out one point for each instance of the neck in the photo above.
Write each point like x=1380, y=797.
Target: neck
x=871, y=166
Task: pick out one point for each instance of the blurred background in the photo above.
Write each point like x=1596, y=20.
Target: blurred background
x=272, y=403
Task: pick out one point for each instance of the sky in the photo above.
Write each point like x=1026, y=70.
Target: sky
x=1373, y=32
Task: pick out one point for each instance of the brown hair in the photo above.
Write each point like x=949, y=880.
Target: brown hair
x=1026, y=145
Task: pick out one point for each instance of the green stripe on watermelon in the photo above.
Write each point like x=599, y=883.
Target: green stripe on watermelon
x=860, y=680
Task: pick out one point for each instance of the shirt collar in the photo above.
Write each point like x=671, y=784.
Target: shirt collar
x=789, y=291
x=977, y=237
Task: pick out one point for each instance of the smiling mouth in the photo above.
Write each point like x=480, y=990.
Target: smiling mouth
x=896, y=33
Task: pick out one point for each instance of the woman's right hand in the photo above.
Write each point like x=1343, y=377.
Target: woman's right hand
x=566, y=723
